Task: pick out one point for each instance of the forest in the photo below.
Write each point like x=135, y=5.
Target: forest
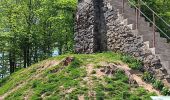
x=32, y=30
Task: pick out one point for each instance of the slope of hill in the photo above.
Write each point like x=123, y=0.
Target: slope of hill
x=77, y=77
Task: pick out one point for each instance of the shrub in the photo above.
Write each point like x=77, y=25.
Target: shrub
x=126, y=94
x=127, y=59
x=147, y=77
x=120, y=75
x=76, y=63
x=142, y=94
x=136, y=65
x=132, y=62
x=109, y=87
x=35, y=83
x=75, y=73
x=165, y=91
x=158, y=84
x=4, y=80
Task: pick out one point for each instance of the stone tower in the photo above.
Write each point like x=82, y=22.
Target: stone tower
x=90, y=27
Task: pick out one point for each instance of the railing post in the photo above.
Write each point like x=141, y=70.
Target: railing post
x=137, y=21
x=123, y=6
x=154, y=37
x=139, y=6
x=137, y=14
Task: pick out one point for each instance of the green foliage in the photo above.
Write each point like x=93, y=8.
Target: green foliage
x=147, y=77
x=128, y=59
x=32, y=29
x=76, y=63
x=132, y=62
x=117, y=87
x=165, y=91
x=141, y=94
x=35, y=83
x=158, y=84
x=119, y=75
x=136, y=65
x=162, y=8
x=2, y=81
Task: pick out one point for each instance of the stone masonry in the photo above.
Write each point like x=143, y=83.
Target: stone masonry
x=100, y=27
x=90, y=28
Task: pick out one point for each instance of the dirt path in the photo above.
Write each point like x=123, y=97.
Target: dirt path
x=140, y=82
x=89, y=69
x=39, y=72
x=134, y=75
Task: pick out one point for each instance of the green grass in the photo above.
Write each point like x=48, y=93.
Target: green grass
x=157, y=84
x=55, y=82
x=132, y=62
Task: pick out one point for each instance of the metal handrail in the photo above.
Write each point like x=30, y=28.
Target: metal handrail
x=155, y=13
x=149, y=19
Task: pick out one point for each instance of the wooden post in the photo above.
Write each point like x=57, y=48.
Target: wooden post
x=154, y=37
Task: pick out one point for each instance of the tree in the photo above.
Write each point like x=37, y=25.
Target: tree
x=32, y=29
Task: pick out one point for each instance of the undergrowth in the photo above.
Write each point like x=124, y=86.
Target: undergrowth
x=157, y=84
x=132, y=62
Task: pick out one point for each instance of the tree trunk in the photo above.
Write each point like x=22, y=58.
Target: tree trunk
x=28, y=57
x=11, y=62
x=25, y=58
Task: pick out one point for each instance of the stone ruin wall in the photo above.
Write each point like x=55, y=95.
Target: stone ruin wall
x=90, y=27
x=99, y=28
x=85, y=23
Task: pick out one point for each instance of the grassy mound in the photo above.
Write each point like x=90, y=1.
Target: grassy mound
x=77, y=80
